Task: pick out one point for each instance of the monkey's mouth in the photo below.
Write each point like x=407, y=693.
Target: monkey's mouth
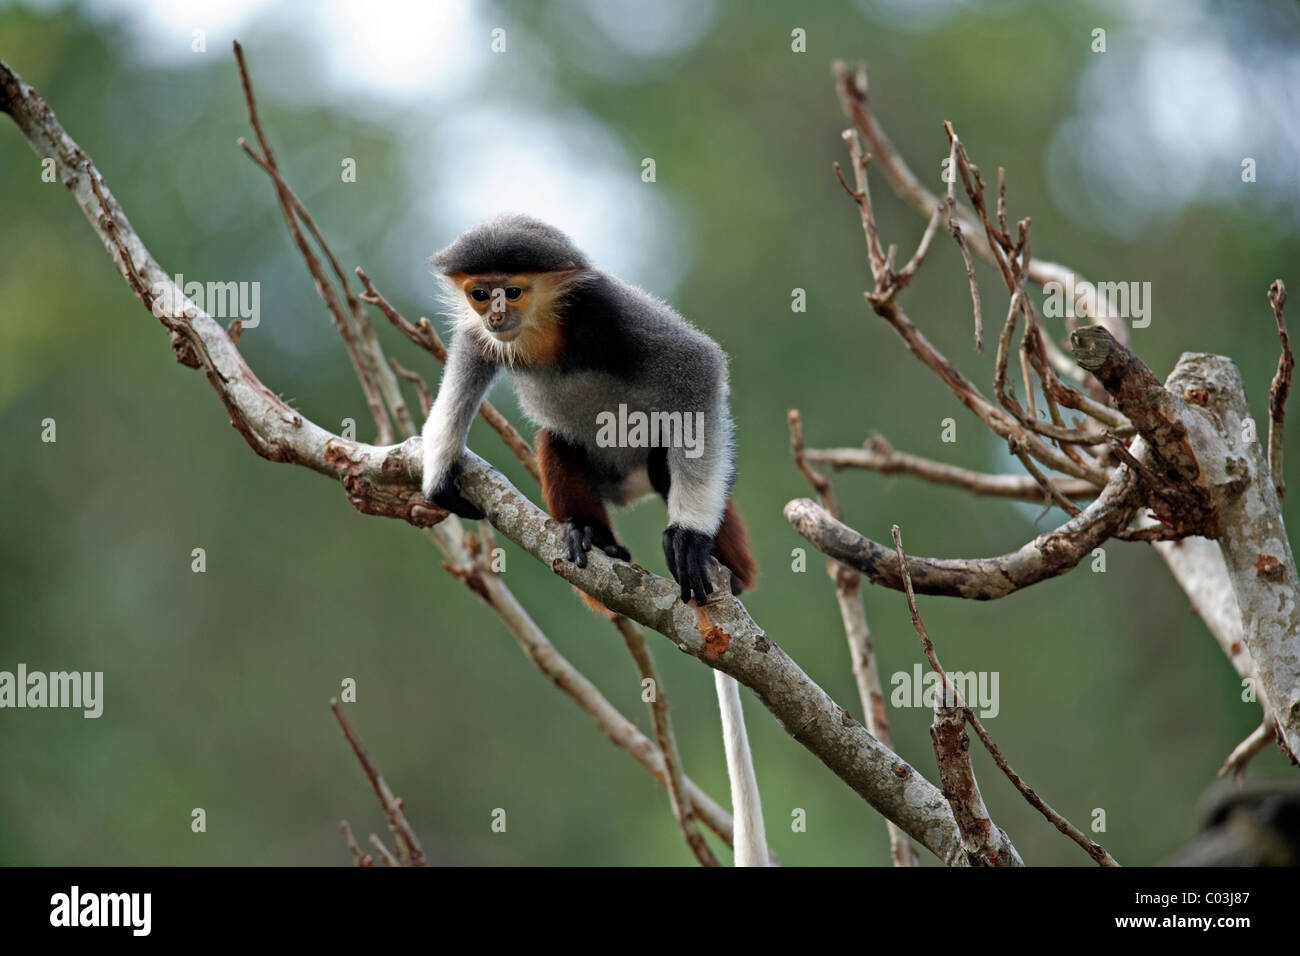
x=507, y=331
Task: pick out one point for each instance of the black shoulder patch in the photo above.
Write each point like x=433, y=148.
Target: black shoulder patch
x=595, y=337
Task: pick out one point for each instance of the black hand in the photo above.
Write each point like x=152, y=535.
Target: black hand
x=447, y=496
x=688, y=554
x=580, y=534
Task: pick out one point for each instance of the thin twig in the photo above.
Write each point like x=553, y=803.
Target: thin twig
x=358, y=857
x=1042, y=480
x=852, y=86
x=878, y=455
x=323, y=286
x=1001, y=422
x=955, y=231
x=407, y=842
x=821, y=484
x=909, y=271
x=426, y=400
x=372, y=351
x=1280, y=389
x=384, y=853
x=1002, y=198
x=423, y=335
x=1244, y=752
x=862, y=196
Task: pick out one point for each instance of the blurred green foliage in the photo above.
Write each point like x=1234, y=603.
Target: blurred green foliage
x=1113, y=694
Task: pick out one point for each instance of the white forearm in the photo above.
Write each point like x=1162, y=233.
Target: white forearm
x=465, y=382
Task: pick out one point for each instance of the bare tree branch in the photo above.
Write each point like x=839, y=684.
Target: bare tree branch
x=617, y=728
x=1245, y=751
x=407, y=842
x=1280, y=389
x=984, y=835
x=878, y=455
x=852, y=87
x=1180, y=497
x=1252, y=535
x=955, y=230
x=363, y=367
x=1155, y=413
x=861, y=194
x=426, y=400
x=985, y=843
x=384, y=853
x=361, y=859
x=1047, y=556
x=370, y=349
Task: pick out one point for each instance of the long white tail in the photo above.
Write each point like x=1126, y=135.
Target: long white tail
x=750, y=838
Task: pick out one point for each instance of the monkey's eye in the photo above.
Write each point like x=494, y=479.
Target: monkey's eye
x=479, y=295
x=513, y=292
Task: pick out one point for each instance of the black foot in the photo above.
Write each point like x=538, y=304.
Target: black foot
x=580, y=536
x=688, y=554
x=447, y=496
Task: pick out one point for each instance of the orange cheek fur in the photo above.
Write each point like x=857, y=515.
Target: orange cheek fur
x=542, y=338
x=541, y=341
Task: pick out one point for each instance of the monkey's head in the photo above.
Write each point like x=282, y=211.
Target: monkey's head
x=511, y=271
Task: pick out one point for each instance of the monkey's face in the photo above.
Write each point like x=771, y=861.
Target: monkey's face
x=504, y=303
